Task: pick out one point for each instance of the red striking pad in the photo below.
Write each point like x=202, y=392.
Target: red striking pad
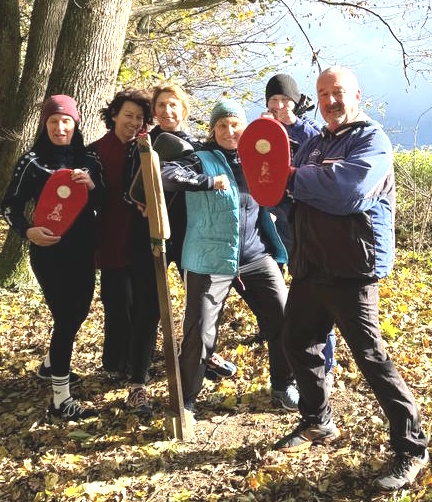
x=60, y=202
x=265, y=155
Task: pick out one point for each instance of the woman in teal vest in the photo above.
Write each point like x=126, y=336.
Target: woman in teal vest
x=230, y=242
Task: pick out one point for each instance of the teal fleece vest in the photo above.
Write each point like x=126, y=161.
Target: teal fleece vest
x=211, y=244
x=212, y=241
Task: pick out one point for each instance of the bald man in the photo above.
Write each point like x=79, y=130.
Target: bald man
x=344, y=190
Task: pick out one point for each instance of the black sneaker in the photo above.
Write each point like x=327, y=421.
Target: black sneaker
x=44, y=373
x=218, y=367
x=403, y=471
x=137, y=402
x=70, y=409
x=307, y=434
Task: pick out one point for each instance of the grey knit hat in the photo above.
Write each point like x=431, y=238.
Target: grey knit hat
x=227, y=108
x=282, y=84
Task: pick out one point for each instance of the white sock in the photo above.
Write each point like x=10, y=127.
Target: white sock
x=47, y=361
x=60, y=385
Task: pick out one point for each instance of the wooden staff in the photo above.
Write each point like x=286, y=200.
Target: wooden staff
x=178, y=423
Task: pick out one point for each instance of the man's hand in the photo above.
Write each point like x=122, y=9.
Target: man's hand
x=292, y=171
x=221, y=182
x=42, y=236
x=285, y=115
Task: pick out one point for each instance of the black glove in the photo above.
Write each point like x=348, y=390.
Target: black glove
x=304, y=105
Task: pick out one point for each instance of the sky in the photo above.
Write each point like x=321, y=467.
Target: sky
x=376, y=58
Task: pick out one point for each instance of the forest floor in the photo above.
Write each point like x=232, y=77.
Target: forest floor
x=117, y=457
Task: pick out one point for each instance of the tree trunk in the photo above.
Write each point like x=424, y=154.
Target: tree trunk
x=88, y=57
x=14, y=270
x=9, y=55
x=19, y=119
x=78, y=47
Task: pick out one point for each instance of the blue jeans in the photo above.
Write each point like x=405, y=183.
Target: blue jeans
x=328, y=351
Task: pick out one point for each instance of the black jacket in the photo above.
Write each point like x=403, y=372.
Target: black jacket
x=175, y=201
x=28, y=179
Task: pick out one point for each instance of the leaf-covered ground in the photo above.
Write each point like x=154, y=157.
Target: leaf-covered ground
x=117, y=458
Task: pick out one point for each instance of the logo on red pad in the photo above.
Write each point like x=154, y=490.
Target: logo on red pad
x=265, y=155
x=60, y=202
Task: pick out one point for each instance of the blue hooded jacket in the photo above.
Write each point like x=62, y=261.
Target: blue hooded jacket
x=345, y=203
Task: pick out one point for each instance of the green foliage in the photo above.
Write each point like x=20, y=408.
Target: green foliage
x=413, y=170
x=208, y=51
x=125, y=75
x=418, y=163
x=389, y=330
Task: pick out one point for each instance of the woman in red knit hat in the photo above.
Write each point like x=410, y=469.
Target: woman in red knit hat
x=62, y=264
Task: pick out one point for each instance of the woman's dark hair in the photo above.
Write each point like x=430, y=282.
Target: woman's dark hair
x=138, y=97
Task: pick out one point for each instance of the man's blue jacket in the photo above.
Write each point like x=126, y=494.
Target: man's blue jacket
x=345, y=204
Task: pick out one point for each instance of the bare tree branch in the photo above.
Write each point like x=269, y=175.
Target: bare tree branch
x=163, y=6
x=382, y=20
x=314, y=52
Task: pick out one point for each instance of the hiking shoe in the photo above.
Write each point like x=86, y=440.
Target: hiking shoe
x=218, y=368
x=44, y=373
x=189, y=410
x=403, y=471
x=287, y=399
x=307, y=434
x=189, y=405
x=137, y=402
x=329, y=382
x=70, y=409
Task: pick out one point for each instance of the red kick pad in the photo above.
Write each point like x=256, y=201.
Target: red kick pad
x=60, y=202
x=265, y=155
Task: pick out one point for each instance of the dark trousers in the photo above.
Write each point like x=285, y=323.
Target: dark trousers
x=311, y=311
x=67, y=282
x=117, y=299
x=146, y=313
x=264, y=289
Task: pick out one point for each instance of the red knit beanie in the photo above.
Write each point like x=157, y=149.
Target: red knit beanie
x=59, y=103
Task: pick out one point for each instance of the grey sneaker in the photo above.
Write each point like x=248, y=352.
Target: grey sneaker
x=189, y=409
x=403, y=472
x=137, y=402
x=307, y=434
x=287, y=398
x=218, y=367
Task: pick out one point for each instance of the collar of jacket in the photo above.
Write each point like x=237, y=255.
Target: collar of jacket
x=362, y=120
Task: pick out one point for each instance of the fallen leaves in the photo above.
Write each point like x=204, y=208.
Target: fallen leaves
x=118, y=457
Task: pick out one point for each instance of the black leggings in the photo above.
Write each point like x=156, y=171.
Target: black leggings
x=67, y=282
